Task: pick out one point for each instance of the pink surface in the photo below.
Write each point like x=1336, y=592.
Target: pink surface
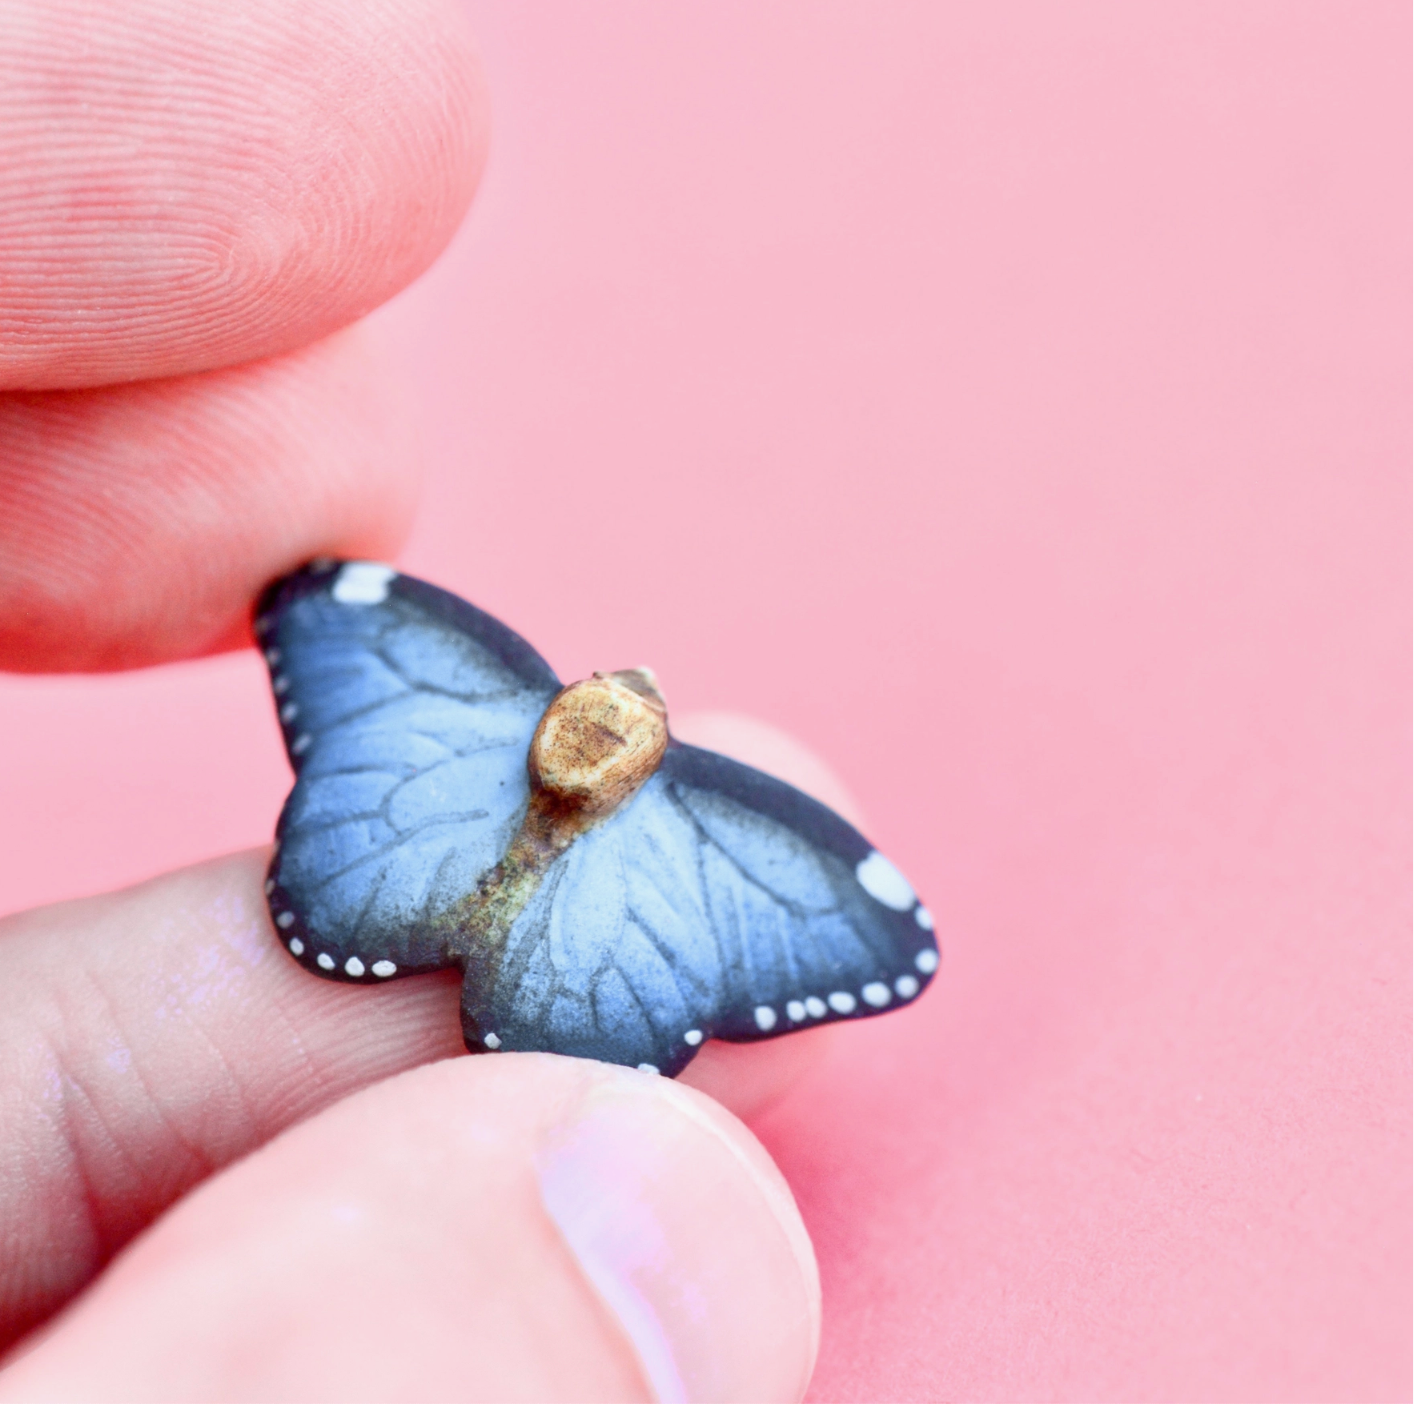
x=1011, y=400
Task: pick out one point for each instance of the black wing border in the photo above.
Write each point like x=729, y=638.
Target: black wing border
x=459, y=614
x=753, y=789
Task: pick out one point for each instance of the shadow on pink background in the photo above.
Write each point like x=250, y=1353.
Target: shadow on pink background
x=1012, y=401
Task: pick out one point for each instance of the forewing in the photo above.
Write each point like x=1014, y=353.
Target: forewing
x=812, y=923
x=719, y=903
x=407, y=714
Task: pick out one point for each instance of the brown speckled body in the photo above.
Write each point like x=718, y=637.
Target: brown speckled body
x=595, y=746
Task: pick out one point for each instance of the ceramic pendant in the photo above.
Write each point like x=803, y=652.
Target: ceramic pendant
x=609, y=892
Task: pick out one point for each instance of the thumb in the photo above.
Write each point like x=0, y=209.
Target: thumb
x=512, y=1227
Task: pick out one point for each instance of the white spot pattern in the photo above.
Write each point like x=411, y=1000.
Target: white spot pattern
x=272, y=656
x=795, y=1011
x=815, y=1006
x=363, y=582
x=765, y=1018
x=300, y=745
x=288, y=712
x=906, y=986
x=877, y=993
x=285, y=920
x=926, y=961
x=884, y=883
x=492, y=1042
x=923, y=917
x=296, y=946
x=692, y=1037
x=280, y=685
x=842, y=1002
x=324, y=961
x=353, y=966
x=269, y=886
x=384, y=968
x=648, y=1068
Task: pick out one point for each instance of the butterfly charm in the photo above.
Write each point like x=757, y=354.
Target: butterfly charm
x=608, y=891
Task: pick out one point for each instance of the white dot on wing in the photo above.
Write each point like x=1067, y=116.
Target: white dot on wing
x=492, y=1042
x=363, y=583
x=795, y=1011
x=906, y=986
x=296, y=946
x=815, y=1006
x=884, y=883
x=383, y=968
x=765, y=1018
x=647, y=1067
x=299, y=745
x=324, y=960
x=272, y=656
x=353, y=966
x=842, y=1002
x=285, y=920
x=923, y=917
x=269, y=886
x=289, y=712
x=280, y=684
x=877, y=993
x=692, y=1037
x=926, y=961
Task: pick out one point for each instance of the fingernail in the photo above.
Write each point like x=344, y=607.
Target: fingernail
x=690, y=1237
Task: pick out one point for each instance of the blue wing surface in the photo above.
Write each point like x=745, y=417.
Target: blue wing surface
x=719, y=903
x=407, y=715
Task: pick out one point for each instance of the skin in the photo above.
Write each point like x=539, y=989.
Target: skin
x=219, y=1178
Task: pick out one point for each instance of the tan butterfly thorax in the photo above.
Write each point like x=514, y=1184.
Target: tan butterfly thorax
x=597, y=744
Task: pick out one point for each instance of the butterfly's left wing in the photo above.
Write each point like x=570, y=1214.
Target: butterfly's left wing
x=407, y=715
x=719, y=903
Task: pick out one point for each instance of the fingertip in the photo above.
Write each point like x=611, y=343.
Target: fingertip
x=256, y=176
x=688, y=1230
x=139, y=523
x=507, y=1226
x=749, y=1078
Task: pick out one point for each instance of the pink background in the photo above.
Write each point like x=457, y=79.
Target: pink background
x=1012, y=401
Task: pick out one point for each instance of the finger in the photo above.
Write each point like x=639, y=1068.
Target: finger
x=187, y=184
x=489, y=1228
x=152, y=1036
x=137, y=523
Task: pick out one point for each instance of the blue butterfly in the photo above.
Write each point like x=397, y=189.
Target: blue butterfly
x=608, y=891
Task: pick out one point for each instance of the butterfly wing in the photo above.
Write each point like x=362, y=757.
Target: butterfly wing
x=806, y=911
x=407, y=714
x=719, y=903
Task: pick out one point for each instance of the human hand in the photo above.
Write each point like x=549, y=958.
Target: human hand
x=198, y=199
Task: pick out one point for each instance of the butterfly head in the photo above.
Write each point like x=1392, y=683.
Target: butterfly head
x=599, y=741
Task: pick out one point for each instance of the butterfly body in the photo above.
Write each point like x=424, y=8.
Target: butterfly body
x=608, y=891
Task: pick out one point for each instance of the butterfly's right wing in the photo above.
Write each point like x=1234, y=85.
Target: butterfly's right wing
x=812, y=921
x=407, y=715
x=720, y=902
